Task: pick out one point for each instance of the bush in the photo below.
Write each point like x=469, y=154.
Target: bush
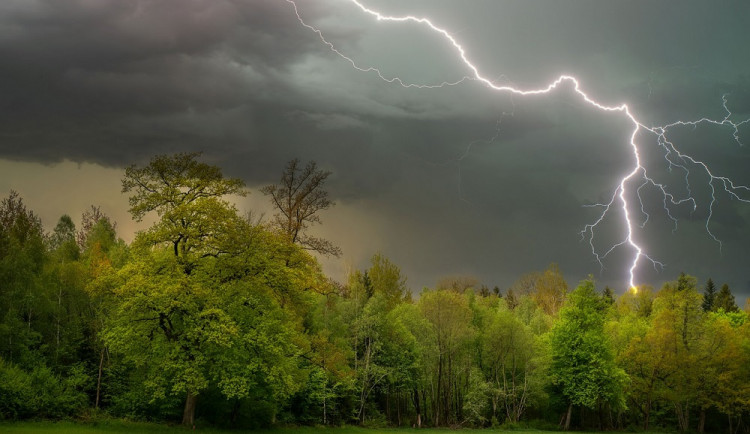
x=40, y=393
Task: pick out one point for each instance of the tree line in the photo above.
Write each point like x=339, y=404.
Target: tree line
x=210, y=316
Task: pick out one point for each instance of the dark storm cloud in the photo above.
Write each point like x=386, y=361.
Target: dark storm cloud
x=455, y=180
x=78, y=77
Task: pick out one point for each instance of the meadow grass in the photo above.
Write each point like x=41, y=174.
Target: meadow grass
x=120, y=426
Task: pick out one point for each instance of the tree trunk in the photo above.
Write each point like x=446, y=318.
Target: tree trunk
x=188, y=416
x=99, y=379
x=702, y=421
x=57, y=334
x=683, y=416
x=567, y=417
x=235, y=411
x=398, y=409
x=439, y=390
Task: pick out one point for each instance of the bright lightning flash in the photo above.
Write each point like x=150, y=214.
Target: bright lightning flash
x=638, y=174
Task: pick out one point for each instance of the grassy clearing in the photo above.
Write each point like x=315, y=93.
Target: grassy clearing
x=118, y=426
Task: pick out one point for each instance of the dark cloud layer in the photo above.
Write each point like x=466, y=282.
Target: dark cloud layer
x=445, y=181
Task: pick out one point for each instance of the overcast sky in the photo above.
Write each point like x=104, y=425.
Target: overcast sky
x=455, y=180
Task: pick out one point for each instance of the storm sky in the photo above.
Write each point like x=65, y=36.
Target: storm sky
x=451, y=181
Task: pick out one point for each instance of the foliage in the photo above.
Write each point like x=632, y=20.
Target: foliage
x=725, y=300
x=211, y=318
x=582, y=365
x=709, y=296
x=40, y=393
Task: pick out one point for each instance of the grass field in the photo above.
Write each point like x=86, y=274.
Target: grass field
x=150, y=428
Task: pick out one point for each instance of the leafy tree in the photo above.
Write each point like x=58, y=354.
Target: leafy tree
x=725, y=300
x=685, y=282
x=626, y=329
x=331, y=375
x=709, y=296
x=513, y=359
x=477, y=396
x=192, y=331
x=39, y=392
x=402, y=357
x=722, y=381
x=300, y=197
x=384, y=277
x=203, y=310
x=418, y=335
x=551, y=290
x=194, y=219
x=89, y=219
x=368, y=346
x=674, y=342
x=582, y=364
x=638, y=301
x=22, y=300
x=548, y=288
x=69, y=314
x=450, y=316
x=63, y=237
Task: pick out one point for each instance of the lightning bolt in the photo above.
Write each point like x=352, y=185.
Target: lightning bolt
x=674, y=158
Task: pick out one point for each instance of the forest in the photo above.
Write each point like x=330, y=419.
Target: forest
x=215, y=318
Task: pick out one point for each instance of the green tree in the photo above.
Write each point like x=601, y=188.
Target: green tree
x=203, y=311
x=450, y=316
x=371, y=370
x=89, y=219
x=582, y=364
x=513, y=359
x=385, y=278
x=189, y=332
x=22, y=300
x=417, y=336
x=329, y=354
x=551, y=290
x=725, y=300
x=548, y=289
x=722, y=381
x=63, y=237
x=674, y=342
x=685, y=282
x=709, y=296
x=188, y=197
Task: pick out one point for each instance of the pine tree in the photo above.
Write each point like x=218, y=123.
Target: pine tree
x=725, y=300
x=709, y=296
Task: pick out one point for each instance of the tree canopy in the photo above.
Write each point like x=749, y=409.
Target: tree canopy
x=211, y=318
